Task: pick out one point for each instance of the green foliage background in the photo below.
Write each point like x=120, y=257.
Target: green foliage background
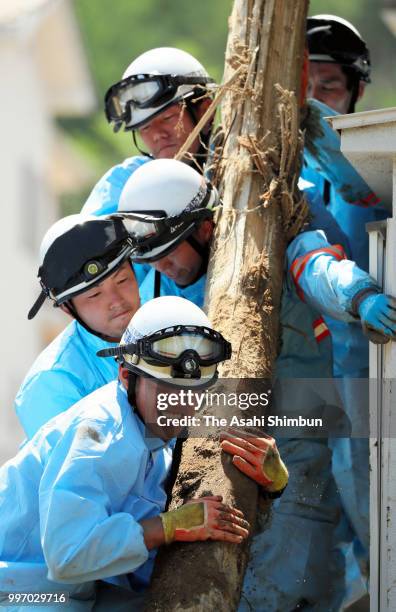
x=117, y=31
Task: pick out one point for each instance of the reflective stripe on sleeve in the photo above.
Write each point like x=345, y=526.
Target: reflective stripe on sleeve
x=298, y=265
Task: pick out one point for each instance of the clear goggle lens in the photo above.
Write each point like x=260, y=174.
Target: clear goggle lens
x=173, y=347
x=138, y=93
x=140, y=229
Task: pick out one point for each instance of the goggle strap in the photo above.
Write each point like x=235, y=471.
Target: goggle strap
x=175, y=79
x=117, y=351
x=142, y=347
x=37, y=305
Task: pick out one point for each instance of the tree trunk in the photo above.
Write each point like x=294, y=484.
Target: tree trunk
x=262, y=209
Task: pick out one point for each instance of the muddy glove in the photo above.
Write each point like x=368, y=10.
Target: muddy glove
x=258, y=458
x=378, y=317
x=205, y=518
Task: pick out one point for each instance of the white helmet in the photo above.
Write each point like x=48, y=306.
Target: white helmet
x=152, y=82
x=77, y=252
x=171, y=339
x=163, y=203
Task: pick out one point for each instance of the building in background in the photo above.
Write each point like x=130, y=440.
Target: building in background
x=44, y=75
x=388, y=13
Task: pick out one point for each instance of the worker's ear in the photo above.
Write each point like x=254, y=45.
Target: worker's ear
x=64, y=308
x=204, y=233
x=123, y=376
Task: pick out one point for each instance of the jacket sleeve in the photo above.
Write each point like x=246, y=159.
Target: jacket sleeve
x=84, y=537
x=323, y=154
x=105, y=196
x=321, y=218
x=45, y=395
x=324, y=278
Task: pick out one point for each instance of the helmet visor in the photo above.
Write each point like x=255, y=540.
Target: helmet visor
x=149, y=232
x=183, y=351
x=168, y=348
x=142, y=91
x=142, y=227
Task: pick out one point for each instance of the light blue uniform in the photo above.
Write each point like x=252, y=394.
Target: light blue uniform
x=353, y=204
x=350, y=455
x=72, y=499
x=105, y=196
x=194, y=292
x=65, y=372
x=351, y=201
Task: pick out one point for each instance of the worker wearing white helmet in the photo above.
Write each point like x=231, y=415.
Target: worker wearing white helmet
x=168, y=210
x=85, y=270
x=94, y=479
x=153, y=82
x=161, y=97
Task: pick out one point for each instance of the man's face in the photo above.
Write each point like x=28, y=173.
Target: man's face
x=182, y=265
x=166, y=133
x=328, y=84
x=147, y=391
x=108, y=307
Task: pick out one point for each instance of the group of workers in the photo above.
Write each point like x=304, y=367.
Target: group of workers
x=83, y=505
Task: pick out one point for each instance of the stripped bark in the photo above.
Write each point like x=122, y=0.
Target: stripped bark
x=262, y=209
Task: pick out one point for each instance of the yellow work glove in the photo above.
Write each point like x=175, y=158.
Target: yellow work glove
x=258, y=458
x=205, y=518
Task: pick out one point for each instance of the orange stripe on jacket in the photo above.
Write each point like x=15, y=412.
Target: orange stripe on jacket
x=299, y=264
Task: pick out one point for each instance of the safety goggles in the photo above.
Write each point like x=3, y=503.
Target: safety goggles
x=144, y=91
x=186, y=348
x=154, y=230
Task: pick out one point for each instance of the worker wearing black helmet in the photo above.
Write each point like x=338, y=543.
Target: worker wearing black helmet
x=339, y=62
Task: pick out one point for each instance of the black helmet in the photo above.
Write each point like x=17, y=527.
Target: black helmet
x=77, y=252
x=333, y=39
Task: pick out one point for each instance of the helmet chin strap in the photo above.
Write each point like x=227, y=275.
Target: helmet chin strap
x=135, y=142
x=131, y=391
x=355, y=95
x=203, y=252
x=131, y=395
x=200, y=157
x=72, y=310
